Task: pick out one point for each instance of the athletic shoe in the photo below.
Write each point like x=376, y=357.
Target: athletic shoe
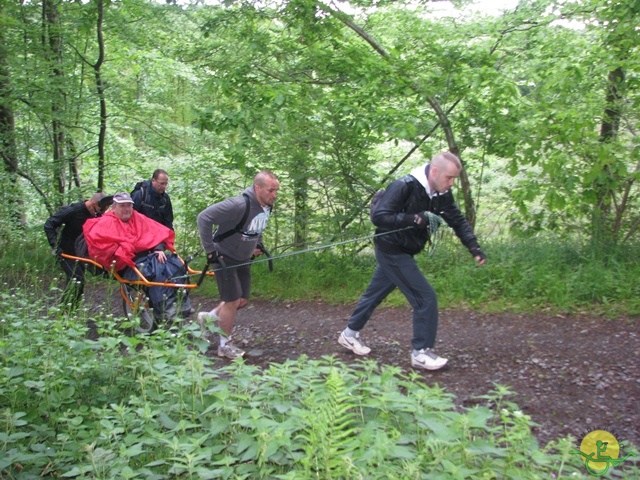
x=427, y=360
x=354, y=344
x=230, y=351
x=204, y=316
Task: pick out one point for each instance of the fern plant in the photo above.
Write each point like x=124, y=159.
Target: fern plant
x=327, y=428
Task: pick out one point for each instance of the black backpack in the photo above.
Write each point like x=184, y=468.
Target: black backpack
x=375, y=201
x=218, y=237
x=80, y=247
x=140, y=186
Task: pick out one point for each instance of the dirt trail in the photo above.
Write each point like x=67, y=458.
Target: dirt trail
x=571, y=374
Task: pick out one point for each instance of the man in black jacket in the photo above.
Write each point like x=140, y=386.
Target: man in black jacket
x=151, y=199
x=402, y=221
x=63, y=229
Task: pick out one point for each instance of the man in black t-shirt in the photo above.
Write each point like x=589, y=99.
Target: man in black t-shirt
x=63, y=229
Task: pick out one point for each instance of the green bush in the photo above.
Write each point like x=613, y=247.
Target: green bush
x=522, y=275
x=155, y=407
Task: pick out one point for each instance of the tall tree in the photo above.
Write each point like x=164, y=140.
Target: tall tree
x=621, y=41
x=359, y=92
x=559, y=110
x=12, y=204
x=52, y=40
x=97, y=66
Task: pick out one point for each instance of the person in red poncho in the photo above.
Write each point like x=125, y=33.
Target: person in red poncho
x=122, y=234
x=125, y=238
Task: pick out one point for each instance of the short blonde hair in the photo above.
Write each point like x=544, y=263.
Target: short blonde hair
x=261, y=178
x=442, y=157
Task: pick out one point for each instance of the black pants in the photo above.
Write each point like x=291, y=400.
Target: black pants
x=164, y=300
x=74, y=289
x=402, y=272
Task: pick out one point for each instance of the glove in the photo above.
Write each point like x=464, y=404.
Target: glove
x=56, y=251
x=421, y=221
x=477, y=252
x=260, y=247
x=212, y=257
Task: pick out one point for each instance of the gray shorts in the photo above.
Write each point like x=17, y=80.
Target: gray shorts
x=234, y=282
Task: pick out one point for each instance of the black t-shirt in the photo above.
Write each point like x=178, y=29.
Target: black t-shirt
x=70, y=219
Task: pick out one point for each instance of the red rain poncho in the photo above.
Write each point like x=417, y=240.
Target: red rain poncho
x=109, y=238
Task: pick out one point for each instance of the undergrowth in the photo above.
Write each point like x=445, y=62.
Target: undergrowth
x=538, y=274
x=520, y=276
x=154, y=407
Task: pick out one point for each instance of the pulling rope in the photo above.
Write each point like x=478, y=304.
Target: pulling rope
x=435, y=222
x=322, y=247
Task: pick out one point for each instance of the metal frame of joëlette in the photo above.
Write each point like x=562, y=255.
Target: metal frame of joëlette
x=143, y=281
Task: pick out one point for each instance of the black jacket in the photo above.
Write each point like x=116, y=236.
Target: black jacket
x=397, y=208
x=153, y=205
x=70, y=219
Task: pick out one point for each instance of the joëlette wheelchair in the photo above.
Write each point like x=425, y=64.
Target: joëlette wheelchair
x=134, y=290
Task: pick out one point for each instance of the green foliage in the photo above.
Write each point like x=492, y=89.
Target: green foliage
x=535, y=273
x=566, y=167
x=212, y=94
x=154, y=407
x=24, y=261
x=321, y=276
x=543, y=272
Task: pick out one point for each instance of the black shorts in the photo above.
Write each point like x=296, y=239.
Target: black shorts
x=234, y=282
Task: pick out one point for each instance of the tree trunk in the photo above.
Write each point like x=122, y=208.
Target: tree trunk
x=469, y=206
x=103, y=104
x=13, y=206
x=603, y=228
x=301, y=216
x=52, y=43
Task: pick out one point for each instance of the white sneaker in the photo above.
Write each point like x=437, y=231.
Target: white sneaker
x=354, y=344
x=230, y=351
x=427, y=360
x=204, y=316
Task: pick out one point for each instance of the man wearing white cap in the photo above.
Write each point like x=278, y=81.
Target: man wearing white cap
x=125, y=238
x=122, y=233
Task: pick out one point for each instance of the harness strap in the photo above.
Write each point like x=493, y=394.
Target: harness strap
x=219, y=237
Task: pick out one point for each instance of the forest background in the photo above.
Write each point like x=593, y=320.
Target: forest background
x=541, y=103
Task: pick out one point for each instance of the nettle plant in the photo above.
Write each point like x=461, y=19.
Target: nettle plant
x=154, y=407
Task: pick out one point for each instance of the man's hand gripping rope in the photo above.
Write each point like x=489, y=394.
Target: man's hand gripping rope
x=261, y=250
x=212, y=257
